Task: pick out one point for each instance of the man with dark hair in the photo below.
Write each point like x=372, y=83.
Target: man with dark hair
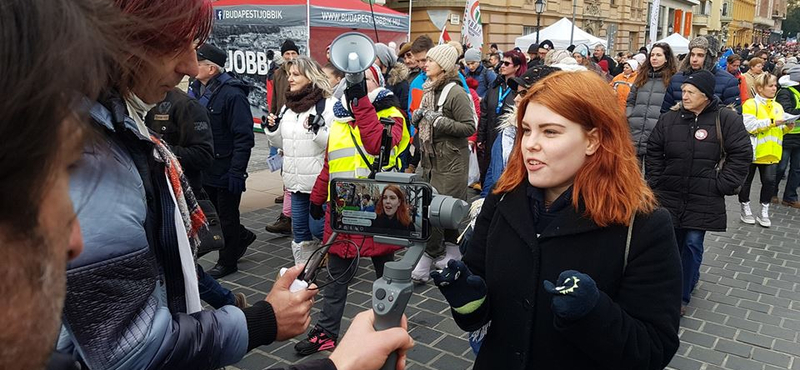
x=494, y=62
x=734, y=63
x=533, y=56
x=225, y=97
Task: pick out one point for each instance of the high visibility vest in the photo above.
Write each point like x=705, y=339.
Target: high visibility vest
x=796, y=94
x=768, y=144
x=344, y=159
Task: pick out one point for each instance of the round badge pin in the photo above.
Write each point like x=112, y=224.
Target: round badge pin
x=701, y=134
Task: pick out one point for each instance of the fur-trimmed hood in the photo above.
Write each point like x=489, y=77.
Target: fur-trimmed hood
x=397, y=74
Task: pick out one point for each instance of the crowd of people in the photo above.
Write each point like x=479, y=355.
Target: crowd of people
x=599, y=177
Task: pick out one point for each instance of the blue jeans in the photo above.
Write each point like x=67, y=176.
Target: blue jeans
x=690, y=244
x=790, y=155
x=304, y=226
x=212, y=292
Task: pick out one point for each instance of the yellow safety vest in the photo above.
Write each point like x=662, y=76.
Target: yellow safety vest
x=768, y=144
x=796, y=106
x=344, y=159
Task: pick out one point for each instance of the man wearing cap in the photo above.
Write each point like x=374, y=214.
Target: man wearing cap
x=475, y=69
x=409, y=61
x=703, y=56
x=544, y=48
x=533, y=55
x=280, y=85
x=225, y=97
x=683, y=168
x=789, y=99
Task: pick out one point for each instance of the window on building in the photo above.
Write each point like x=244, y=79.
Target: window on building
x=725, y=11
x=527, y=30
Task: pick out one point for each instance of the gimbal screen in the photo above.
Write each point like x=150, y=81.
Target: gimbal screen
x=377, y=208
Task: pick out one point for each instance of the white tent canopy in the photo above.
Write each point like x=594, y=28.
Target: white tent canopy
x=558, y=33
x=677, y=43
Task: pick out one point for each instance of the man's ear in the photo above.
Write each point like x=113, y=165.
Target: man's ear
x=594, y=141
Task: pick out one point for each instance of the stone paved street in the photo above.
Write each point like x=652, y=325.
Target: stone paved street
x=745, y=312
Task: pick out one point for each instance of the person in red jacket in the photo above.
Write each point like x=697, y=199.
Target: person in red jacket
x=734, y=62
x=476, y=101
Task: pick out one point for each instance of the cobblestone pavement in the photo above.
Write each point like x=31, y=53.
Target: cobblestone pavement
x=744, y=314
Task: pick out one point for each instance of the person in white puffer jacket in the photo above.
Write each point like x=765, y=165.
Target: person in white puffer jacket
x=301, y=130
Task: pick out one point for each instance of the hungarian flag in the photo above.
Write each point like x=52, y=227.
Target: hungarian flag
x=444, y=37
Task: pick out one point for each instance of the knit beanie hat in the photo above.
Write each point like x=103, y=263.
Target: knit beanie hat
x=793, y=74
x=376, y=74
x=582, y=49
x=445, y=56
x=289, y=45
x=386, y=55
x=704, y=81
x=472, y=55
x=603, y=65
x=633, y=63
x=533, y=48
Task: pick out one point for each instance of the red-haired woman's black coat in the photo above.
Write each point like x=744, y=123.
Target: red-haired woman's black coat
x=635, y=322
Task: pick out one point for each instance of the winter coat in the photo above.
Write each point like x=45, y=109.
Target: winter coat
x=634, y=324
x=118, y=312
x=396, y=82
x=485, y=78
x=501, y=149
x=447, y=169
x=280, y=84
x=622, y=86
x=371, y=129
x=682, y=153
x=303, y=150
x=415, y=91
x=750, y=80
x=789, y=101
x=612, y=65
x=767, y=140
x=726, y=88
x=225, y=96
x=643, y=109
x=183, y=124
x=489, y=118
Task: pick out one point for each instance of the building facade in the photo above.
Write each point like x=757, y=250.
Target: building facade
x=621, y=22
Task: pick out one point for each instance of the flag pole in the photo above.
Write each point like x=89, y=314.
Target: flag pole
x=410, y=7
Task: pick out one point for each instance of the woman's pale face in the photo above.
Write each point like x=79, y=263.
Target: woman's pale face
x=371, y=83
x=758, y=68
x=297, y=81
x=554, y=149
x=770, y=90
x=578, y=58
x=390, y=203
x=657, y=58
x=692, y=98
x=626, y=70
x=433, y=69
x=508, y=68
x=333, y=80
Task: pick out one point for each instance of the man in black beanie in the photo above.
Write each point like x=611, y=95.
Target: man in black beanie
x=533, y=53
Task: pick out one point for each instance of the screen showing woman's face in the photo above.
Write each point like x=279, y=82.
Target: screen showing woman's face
x=390, y=203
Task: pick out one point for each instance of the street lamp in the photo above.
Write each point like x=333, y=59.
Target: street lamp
x=539, y=9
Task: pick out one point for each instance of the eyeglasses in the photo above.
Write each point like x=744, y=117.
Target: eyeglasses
x=507, y=63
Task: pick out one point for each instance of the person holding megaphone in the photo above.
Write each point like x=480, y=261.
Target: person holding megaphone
x=354, y=145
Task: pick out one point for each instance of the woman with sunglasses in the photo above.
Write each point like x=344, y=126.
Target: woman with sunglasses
x=643, y=105
x=574, y=264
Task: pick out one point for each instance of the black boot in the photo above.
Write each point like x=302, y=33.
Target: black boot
x=282, y=226
x=220, y=271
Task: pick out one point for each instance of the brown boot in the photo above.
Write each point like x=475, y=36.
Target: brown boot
x=241, y=300
x=282, y=226
x=793, y=204
x=775, y=200
x=279, y=199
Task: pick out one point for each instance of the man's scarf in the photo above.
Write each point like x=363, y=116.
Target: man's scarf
x=191, y=213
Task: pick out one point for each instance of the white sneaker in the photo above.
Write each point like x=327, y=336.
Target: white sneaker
x=422, y=272
x=763, y=218
x=747, y=214
x=453, y=253
x=307, y=248
x=296, y=252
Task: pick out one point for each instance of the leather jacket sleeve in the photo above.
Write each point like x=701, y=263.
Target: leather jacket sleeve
x=196, y=147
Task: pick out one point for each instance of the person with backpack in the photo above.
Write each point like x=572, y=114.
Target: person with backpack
x=475, y=69
x=445, y=119
x=301, y=130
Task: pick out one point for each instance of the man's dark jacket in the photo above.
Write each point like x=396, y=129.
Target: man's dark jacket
x=183, y=124
x=612, y=65
x=787, y=99
x=682, y=153
x=225, y=96
x=488, y=121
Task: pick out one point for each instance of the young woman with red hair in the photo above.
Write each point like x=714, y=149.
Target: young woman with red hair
x=570, y=208
x=392, y=210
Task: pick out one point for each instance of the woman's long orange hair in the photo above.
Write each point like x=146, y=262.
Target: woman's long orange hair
x=609, y=184
x=403, y=214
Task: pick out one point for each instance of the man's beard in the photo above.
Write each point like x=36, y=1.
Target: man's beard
x=32, y=284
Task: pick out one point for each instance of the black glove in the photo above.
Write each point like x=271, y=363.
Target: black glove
x=356, y=91
x=576, y=295
x=464, y=291
x=417, y=116
x=317, y=212
x=236, y=183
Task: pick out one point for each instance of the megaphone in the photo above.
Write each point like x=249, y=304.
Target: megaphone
x=352, y=53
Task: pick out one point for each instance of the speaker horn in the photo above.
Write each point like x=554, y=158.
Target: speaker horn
x=352, y=53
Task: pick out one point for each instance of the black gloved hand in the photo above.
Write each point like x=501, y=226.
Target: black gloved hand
x=575, y=295
x=317, y=212
x=356, y=91
x=236, y=182
x=464, y=291
x=417, y=116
